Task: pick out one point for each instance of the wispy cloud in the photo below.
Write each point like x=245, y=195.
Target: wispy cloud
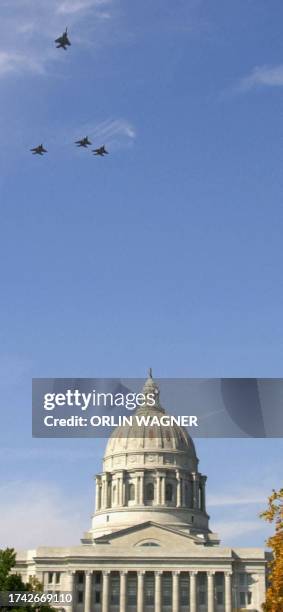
x=264, y=76
x=237, y=498
x=71, y=7
x=115, y=133
x=230, y=530
x=28, y=30
x=11, y=62
x=43, y=521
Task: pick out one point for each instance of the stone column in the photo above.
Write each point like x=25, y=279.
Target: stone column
x=163, y=485
x=124, y=494
x=203, y=480
x=45, y=581
x=87, y=594
x=98, y=494
x=175, y=592
x=210, y=591
x=123, y=591
x=140, y=595
x=158, y=489
x=195, y=491
x=158, y=577
x=193, y=591
x=105, y=591
x=103, y=492
x=179, y=489
x=142, y=489
x=228, y=592
x=185, y=485
x=69, y=586
x=120, y=490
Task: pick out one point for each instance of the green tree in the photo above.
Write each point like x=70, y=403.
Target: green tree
x=274, y=514
x=13, y=582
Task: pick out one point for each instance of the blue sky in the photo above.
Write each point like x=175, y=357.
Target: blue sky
x=166, y=253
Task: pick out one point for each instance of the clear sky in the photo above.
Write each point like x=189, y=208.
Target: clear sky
x=166, y=253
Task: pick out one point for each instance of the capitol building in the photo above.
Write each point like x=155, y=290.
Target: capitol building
x=149, y=547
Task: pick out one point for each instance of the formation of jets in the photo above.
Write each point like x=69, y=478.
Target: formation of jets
x=62, y=42
x=83, y=142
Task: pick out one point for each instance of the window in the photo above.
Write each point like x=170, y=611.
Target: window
x=80, y=577
x=115, y=591
x=166, y=591
x=131, y=492
x=80, y=597
x=57, y=577
x=184, y=595
x=219, y=579
x=149, y=492
x=149, y=590
x=187, y=496
x=245, y=598
x=114, y=495
x=132, y=591
x=97, y=597
x=202, y=580
x=219, y=598
x=184, y=590
x=202, y=598
x=50, y=577
x=169, y=492
x=149, y=544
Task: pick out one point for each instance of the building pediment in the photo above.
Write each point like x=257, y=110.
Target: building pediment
x=149, y=535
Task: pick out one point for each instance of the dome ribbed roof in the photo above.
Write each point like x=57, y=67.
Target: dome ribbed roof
x=164, y=439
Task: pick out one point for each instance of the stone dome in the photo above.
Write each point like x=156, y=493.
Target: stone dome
x=172, y=442
x=150, y=473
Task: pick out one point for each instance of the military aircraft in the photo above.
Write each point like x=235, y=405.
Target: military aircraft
x=100, y=151
x=40, y=150
x=84, y=142
x=63, y=41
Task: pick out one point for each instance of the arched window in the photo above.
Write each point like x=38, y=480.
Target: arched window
x=187, y=496
x=149, y=492
x=131, y=492
x=114, y=495
x=169, y=492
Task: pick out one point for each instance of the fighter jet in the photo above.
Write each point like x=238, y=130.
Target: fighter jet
x=84, y=142
x=40, y=150
x=100, y=151
x=63, y=41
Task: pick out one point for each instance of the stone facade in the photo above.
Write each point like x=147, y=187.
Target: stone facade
x=150, y=548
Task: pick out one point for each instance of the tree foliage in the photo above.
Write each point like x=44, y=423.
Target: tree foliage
x=274, y=514
x=13, y=582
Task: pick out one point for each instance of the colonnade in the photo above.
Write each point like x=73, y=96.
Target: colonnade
x=193, y=606
x=112, y=489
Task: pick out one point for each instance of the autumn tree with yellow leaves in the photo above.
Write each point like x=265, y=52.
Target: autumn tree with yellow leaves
x=274, y=514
